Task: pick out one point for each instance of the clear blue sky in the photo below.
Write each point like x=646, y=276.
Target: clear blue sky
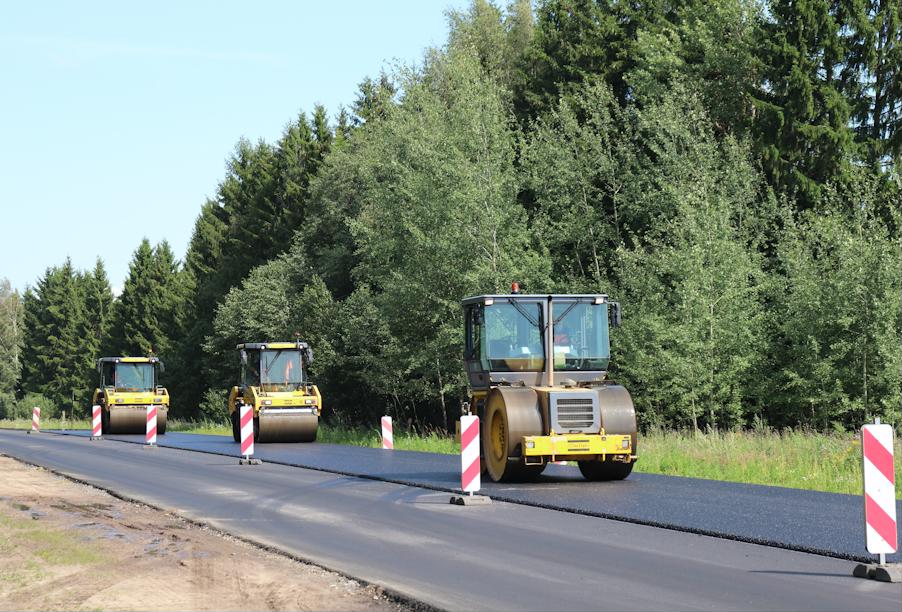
x=116, y=120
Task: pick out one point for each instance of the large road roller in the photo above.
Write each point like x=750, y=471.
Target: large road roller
x=127, y=386
x=537, y=367
x=273, y=380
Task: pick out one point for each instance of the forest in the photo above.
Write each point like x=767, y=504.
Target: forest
x=728, y=170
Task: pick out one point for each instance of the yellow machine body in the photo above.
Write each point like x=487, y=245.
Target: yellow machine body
x=534, y=410
x=273, y=381
x=128, y=385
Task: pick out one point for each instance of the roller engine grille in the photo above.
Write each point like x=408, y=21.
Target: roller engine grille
x=575, y=413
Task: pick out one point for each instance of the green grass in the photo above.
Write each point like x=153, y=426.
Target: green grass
x=792, y=458
x=46, y=424
x=800, y=459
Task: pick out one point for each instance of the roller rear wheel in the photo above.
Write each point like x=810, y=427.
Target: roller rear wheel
x=605, y=470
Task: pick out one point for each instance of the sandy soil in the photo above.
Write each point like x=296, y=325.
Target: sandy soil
x=66, y=546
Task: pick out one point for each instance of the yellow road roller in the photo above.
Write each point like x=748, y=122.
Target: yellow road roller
x=537, y=368
x=273, y=380
x=127, y=386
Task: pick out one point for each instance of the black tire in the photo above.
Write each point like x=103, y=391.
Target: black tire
x=236, y=427
x=605, y=470
x=256, y=429
x=104, y=422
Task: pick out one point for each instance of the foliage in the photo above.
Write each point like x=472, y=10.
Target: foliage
x=441, y=224
x=10, y=337
x=840, y=355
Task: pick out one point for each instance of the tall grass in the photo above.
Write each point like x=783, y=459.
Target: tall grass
x=801, y=459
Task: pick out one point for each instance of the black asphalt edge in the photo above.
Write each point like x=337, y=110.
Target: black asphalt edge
x=512, y=500
x=389, y=593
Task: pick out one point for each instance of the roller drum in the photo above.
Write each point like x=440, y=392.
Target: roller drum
x=274, y=427
x=510, y=414
x=133, y=420
x=618, y=416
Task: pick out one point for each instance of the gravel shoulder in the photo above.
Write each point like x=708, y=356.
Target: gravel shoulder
x=68, y=546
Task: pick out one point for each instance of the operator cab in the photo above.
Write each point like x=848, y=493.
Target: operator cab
x=275, y=366
x=507, y=338
x=129, y=374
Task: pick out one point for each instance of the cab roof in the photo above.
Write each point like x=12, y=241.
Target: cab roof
x=600, y=298
x=129, y=360
x=273, y=345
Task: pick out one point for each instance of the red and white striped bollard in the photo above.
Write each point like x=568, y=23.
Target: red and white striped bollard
x=96, y=428
x=881, y=531
x=879, y=490
x=35, y=420
x=246, y=423
x=470, y=481
x=388, y=439
x=470, y=468
x=151, y=436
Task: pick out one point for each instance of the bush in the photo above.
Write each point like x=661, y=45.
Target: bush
x=7, y=405
x=214, y=407
x=21, y=409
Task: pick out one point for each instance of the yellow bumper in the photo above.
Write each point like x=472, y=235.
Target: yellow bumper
x=577, y=444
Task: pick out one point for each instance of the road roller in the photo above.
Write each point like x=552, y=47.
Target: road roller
x=273, y=380
x=537, y=369
x=127, y=386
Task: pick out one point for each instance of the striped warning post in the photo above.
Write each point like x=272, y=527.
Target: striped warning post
x=879, y=489
x=151, y=438
x=96, y=428
x=388, y=439
x=35, y=420
x=469, y=454
x=246, y=418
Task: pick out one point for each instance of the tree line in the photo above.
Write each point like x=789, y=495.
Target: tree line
x=727, y=170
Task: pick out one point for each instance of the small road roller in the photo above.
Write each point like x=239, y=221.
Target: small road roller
x=273, y=380
x=537, y=368
x=127, y=386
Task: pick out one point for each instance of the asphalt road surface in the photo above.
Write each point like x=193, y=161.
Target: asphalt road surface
x=809, y=521
x=501, y=556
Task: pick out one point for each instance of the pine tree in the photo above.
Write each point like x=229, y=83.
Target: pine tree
x=580, y=40
x=54, y=360
x=147, y=314
x=803, y=131
x=873, y=77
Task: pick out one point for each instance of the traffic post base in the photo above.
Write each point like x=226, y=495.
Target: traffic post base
x=249, y=461
x=470, y=500
x=891, y=572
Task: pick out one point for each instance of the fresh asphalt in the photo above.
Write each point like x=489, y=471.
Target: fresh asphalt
x=500, y=556
x=808, y=521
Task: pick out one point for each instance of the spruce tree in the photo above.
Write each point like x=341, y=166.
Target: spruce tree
x=802, y=130
x=54, y=358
